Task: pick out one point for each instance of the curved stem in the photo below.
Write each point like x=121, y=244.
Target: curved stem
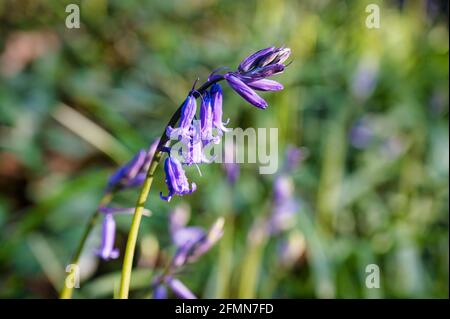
x=134, y=228
x=67, y=290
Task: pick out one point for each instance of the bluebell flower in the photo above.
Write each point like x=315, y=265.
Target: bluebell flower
x=176, y=286
x=160, y=292
x=179, y=289
x=253, y=71
x=252, y=60
x=264, y=63
x=176, y=180
x=206, y=119
x=133, y=173
x=216, y=104
x=232, y=169
x=188, y=110
x=191, y=243
x=126, y=174
x=245, y=91
x=107, y=250
x=265, y=85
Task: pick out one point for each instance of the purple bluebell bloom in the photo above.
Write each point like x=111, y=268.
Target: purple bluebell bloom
x=252, y=60
x=192, y=152
x=160, y=292
x=294, y=156
x=188, y=110
x=361, y=133
x=206, y=119
x=180, y=289
x=134, y=172
x=285, y=206
x=216, y=103
x=125, y=175
x=191, y=242
x=197, y=243
x=264, y=63
x=253, y=71
x=176, y=180
x=245, y=91
x=232, y=169
x=107, y=250
x=265, y=85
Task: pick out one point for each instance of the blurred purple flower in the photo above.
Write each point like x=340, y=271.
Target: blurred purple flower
x=107, y=250
x=126, y=174
x=193, y=242
x=176, y=180
x=176, y=286
x=180, y=289
x=232, y=169
x=294, y=156
x=132, y=173
x=364, y=80
x=361, y=134
x=160, y=292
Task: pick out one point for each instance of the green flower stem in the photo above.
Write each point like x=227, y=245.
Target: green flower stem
x=134, y=229
x=67, y=290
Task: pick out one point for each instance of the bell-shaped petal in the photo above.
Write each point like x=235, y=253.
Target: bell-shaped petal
x=265, y=85
x=188, y=110
x=245, y=91
x=107, y=250
x=180, y=289
x=251, y=61
x=216, y=103
x=176, y=180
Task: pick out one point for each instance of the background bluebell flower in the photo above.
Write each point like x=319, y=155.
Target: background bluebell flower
x=107, y=250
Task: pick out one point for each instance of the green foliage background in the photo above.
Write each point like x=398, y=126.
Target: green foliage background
x=75, y=103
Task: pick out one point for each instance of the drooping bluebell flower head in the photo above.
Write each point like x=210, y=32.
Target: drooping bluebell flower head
x=176, y=180
x=107, y=250
x=253, y=71
x=250, y=76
